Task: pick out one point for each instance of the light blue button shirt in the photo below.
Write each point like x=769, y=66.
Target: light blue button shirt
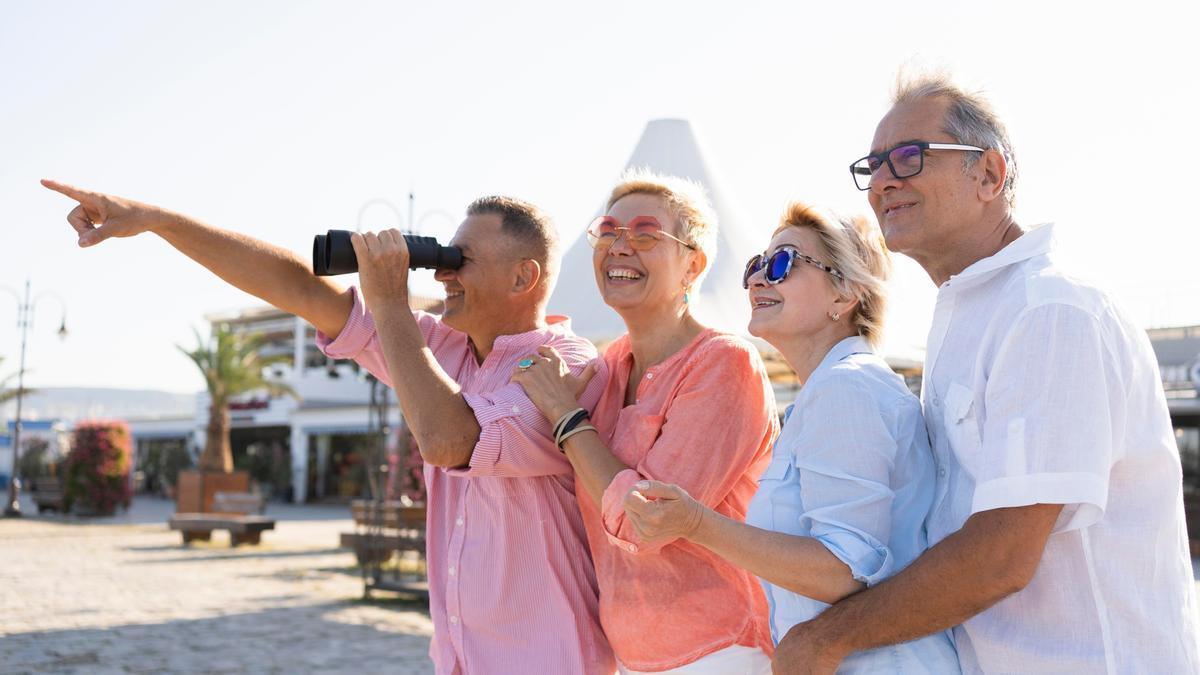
x=852, y=469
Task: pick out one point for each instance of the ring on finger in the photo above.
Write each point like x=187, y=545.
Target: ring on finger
x=525, y=364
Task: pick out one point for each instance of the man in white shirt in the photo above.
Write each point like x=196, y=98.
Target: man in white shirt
x=1057, y=532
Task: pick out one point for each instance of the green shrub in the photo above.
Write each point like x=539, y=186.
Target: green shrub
x=35, y=460
x=161, y=460
x=174, y=458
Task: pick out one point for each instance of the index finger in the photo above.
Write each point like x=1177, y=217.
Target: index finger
x=359, y=244
x=68, y=190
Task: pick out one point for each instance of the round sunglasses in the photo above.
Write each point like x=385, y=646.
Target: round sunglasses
x=642, y=232
x=777, y=266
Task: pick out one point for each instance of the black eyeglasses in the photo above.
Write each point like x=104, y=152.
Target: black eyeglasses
x=905, y=161
x=777, y=266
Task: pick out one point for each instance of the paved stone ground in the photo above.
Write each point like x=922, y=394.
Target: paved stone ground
x=122, y=595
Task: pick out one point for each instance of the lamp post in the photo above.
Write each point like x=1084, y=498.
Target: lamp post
x=24, y=321
x=411, y=224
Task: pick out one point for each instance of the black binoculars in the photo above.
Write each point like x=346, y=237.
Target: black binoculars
x=334, y=254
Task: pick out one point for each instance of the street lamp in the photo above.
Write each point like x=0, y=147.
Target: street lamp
x=411, y=224
x=24, y=321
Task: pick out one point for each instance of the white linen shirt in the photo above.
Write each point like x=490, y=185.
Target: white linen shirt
x=852, y=469
x=1038, y=390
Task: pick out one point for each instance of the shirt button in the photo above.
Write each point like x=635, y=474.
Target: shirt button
x=633, y=548
x=452, y=570
x=516, y=409
x=942, y=471
x=459, y=522
x=454, y=619
x=649, y=376
x=937, y=401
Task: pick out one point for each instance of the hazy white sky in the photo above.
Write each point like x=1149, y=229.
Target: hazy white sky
x=281, y=119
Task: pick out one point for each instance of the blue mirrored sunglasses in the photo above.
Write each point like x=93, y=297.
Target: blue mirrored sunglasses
x=778, y=265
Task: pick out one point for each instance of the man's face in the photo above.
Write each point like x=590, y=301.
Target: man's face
x=921, y=216
x=477, y=294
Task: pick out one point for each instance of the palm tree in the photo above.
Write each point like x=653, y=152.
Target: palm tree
x=232, y=365
x=6, y=393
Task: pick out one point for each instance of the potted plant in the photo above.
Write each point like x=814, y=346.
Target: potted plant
x=96, y=471
x=232, y=364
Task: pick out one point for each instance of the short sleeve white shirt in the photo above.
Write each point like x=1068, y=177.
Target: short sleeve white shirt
x=1038, y=389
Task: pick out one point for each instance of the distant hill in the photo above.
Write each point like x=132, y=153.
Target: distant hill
x=77, y=403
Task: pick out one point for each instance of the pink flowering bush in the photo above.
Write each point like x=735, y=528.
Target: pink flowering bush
x=96, y=472
x=406, y=469
x=414, y=474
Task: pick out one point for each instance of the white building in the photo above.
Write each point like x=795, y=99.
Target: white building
x=53, y=431
x=320, y=436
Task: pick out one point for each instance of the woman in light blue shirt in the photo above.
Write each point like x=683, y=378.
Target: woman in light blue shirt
x=842, y=505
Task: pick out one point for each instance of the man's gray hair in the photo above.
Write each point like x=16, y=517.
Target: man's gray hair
x=528, y=225
x=970, y=119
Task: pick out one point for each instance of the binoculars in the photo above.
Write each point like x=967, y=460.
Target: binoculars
x=334, y=254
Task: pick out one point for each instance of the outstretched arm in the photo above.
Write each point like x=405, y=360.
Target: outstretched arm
x=274, y=274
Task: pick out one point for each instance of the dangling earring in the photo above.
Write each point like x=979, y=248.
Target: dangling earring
x=687, y=296
x=835, y=316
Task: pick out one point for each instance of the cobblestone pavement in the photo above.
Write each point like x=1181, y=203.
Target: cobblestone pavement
x=122, y=595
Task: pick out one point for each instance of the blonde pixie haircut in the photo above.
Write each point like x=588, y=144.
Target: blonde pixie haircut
x=853, y=246
x=687, y=201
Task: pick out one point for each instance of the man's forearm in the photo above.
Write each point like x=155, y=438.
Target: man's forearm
x=272, y=273
x=936, y=592
x=994, y=555
x=440, y=419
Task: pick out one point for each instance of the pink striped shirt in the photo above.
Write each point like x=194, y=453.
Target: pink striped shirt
x=512, y=588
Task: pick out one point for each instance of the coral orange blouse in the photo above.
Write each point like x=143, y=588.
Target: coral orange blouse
x=705, y=420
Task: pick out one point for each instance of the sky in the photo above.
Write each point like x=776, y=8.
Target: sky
x=283, y=119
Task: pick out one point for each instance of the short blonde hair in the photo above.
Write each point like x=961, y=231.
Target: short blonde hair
x=853, y=245
x=687, y=201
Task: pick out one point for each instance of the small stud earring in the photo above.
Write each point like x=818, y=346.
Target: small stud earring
x=835, y=316
x=687, y=297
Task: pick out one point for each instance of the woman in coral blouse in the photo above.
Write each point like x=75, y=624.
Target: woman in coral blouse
x=684, y=404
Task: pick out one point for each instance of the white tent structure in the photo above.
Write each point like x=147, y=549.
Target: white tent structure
x=667, y=146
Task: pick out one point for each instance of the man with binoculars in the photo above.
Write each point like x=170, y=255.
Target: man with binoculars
x=512, y=587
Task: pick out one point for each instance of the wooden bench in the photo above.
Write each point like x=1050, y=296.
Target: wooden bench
x=391, y=515
x=381, y=547
x=383, y=530
x=48, y=494
x=245, y=503
x=242, y=529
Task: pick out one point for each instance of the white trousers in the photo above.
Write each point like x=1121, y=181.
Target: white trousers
x=735, y=660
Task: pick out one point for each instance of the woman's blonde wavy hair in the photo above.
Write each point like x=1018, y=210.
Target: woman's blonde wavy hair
x=854, y=246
